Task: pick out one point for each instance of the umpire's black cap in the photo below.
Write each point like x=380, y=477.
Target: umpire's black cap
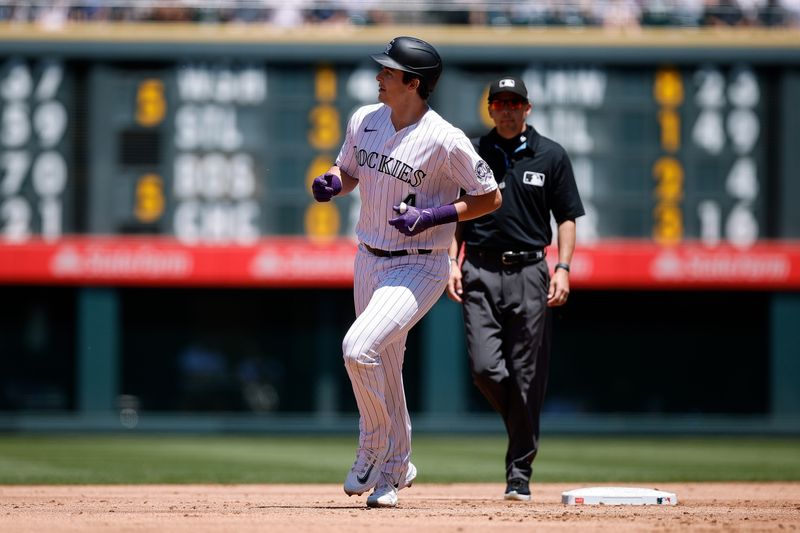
x=413, y=55
x=508, y=84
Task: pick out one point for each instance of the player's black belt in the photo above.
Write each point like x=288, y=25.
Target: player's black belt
x=394, y=253
x=507, y=257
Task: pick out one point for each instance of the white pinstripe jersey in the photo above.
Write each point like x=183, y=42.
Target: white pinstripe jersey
x=431, y=159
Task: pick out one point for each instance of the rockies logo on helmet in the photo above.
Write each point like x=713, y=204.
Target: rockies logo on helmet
x=412, y=55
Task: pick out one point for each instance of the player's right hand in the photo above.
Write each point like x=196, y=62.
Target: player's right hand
x=326, y=186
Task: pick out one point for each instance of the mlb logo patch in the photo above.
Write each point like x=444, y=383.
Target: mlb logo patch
x=533, y=178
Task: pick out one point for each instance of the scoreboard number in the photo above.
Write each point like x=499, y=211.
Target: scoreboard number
x=33, y=171
x=728, y=120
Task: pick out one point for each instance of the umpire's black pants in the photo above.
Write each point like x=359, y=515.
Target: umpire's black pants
x=508, y=329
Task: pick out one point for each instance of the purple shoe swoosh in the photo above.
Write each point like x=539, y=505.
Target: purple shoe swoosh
x=366, y=475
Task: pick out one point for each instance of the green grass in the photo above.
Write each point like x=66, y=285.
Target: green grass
x=461, y=458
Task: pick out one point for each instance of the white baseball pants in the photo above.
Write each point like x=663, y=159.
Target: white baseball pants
x=391, y=295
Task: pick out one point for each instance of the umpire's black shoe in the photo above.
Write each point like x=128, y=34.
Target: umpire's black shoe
x=517, y=489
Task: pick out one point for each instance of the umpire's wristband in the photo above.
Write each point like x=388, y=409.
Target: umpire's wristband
x=565, y=266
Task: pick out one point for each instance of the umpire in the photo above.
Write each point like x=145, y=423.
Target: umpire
x=505, y=284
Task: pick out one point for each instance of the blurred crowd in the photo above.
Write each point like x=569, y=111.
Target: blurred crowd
x=607, y=13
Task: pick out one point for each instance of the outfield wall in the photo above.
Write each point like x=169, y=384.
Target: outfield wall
x=164, y=267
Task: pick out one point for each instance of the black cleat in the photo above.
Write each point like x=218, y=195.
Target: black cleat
x=517, y=489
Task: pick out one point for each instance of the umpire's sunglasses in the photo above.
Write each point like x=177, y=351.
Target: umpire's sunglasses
x=515, y=105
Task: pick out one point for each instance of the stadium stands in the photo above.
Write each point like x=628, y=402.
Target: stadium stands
x=576, y=13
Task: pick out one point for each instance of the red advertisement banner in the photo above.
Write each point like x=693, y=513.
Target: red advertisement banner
x=299, y=262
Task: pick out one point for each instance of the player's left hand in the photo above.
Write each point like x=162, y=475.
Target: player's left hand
x=412, y=220
x=559, y=288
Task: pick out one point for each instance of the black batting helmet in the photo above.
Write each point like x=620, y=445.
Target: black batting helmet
x=413, y=55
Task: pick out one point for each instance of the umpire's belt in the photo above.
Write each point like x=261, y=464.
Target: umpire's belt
x=507, y=257
x=394, y=253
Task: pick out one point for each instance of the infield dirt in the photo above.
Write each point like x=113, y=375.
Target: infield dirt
x=423, y=508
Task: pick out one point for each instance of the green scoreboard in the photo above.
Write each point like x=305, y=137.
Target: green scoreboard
x=214, y=143
x=37, y=140
x=216, y=152
x=660, y=152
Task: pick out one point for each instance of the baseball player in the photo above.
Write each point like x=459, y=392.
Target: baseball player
x=504, y=283
x=410, y=166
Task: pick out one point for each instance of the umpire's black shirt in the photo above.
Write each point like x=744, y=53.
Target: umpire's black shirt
x=535, y=175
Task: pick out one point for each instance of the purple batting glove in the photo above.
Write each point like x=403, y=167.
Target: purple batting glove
x=415, y=221
x=326, y=187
